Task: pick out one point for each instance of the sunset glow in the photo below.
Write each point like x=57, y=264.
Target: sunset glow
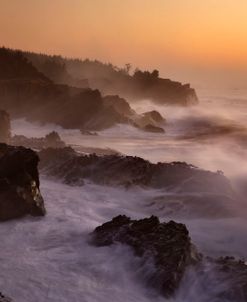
x=172, y=35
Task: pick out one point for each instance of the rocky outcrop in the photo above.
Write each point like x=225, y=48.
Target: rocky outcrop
x=51, y=140
x=4, y=298
x=167, y=253
x=5, y=132
x=166, y=245
x=128, y=170
x=19, y=183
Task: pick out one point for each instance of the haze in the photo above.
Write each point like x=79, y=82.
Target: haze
x=203, y=42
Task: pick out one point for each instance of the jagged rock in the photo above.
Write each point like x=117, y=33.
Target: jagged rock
x=4, y=127
x=51, y=140
x=128, y=170
x=4, y=299
x=167, y=245
x=19, y=183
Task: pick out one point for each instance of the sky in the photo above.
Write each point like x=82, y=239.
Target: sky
x=189, y=40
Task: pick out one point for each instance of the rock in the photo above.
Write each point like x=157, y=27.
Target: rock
x=127, y=170
x=167, y=245
x=4, y=127
x=154, y=129
x=155, y=116
x=119, y=104
x=19, y=183
x=87, y=132
x=51, y=140
x=4, y=299
x=151, y=121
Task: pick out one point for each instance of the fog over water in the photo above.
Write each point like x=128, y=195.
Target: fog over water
x=49, y=259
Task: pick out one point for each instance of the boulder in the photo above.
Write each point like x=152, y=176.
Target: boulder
x=119, y=104
x=4, y=127
x=166, y=245
x=19, y=183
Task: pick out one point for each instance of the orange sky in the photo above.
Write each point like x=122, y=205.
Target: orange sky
x=185, y=39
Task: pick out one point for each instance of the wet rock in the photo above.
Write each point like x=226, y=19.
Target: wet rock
x=167, y=245
x=4, y=127
x=127, y=171
x=19, y=183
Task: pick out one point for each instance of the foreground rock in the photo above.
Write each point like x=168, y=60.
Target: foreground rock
x=167, y=254
x=19, y=183
x=167, y=245
x=4, y=127
x=127, y=170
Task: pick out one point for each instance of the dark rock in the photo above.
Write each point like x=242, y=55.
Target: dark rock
x=128, y=170
x=4, y=127
x=167, y=245
x=19, y=183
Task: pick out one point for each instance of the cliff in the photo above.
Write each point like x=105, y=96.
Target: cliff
x=110, y=79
